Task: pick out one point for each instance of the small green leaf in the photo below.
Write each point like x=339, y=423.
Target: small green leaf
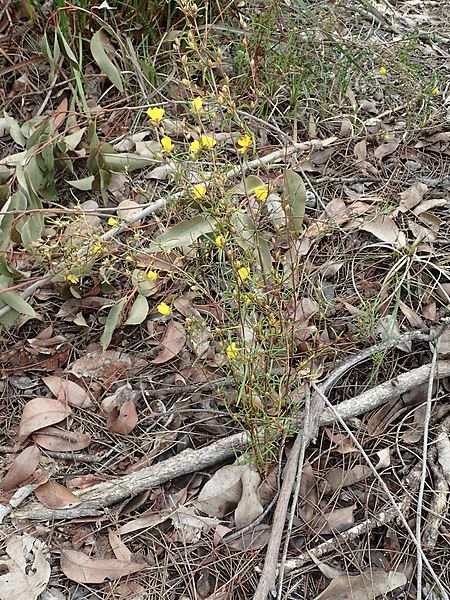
x=184, y=233
x=112, y=322
x=295, y=197
x=66, y=50
x=14, y=130
x=246, y=187
x=138, y=312
x=17, y=303
x=84, y=184
x=98, y=42
x=74, y=139
x=80, y=320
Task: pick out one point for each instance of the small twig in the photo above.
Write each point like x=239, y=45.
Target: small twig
x=424, y=474
x=383, y=517
x=301, y=462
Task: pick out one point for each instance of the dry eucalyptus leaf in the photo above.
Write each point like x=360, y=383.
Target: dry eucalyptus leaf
x=23, y=465
x=39, y=413
x=338, y=478
x=190, y=524
x=388, y=328
x=61, y=440
x=443, y=448
x=145, y=522
x=386, y=149
x=443, y=343
x=360, y=150
x=78, y=567
x=121, y=552
x=252, y=540
x=54, y=495
x=384, y=459
x=123, y=420
x=249, y=507
x=173, y=342
x=338, y=520
x=412, y=196
x=384, y=228
x=66, y=390
x=366, y=586
x=222, y=492
x=128, y=209
x=29, y=569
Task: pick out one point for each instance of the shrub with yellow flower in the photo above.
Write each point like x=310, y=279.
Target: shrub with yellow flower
x=167, y=144
x=243, y=273
x=112, y=221
x=199, y=191
x=261, y=193
x=164, y=309
x=245, y=143
x=156, y=114
x=208, y=141
x=232, y=351
x=194, y=148
x=197, y=105
x=152, y=275
x=382, y=70
x=220, y=242
x=71, y=278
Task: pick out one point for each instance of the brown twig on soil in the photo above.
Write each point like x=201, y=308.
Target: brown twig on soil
x=383, y=517
x=105, y=494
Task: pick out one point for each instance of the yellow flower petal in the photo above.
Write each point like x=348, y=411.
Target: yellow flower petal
x=71, y=278
x=382, y=70
x=167, y=144
x=96, y=248
x=261, y=193
x=156, y=113
x=197, y=105
x=232, y=351
x=243, y=273
x=194, y=147
x=208, y=141
x=164, y=309
x=220, y=241
x=435, y=91
x=112, y=221
x=152, y=275
x=199, y=191
x=245, y=142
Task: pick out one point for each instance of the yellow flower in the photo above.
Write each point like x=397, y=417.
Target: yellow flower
x=156, y=114
x=194, y=148
x=197, y=105
x=382, y=70
x=261, y=193
x=199, y=191
x=232, y=351
x=167, y=144
x=243, y=273
x=208, y=141
x=164, y=309
x=435, y=91
x=152, y=275
x=112, y=221
x=220, y=241
x=245, y=142
x=71, y=278
x=96, y=248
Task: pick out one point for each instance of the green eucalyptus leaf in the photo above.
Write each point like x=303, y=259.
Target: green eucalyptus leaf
x=185, y=233
x=246, y=187
x=138, y=312
x=295, y=197
x=74, y=139
x=112, y=323
x=107, y=67
x=126, y=161
x=84, y=184
x=14, y=130
x=66, y=51
x=17, y=303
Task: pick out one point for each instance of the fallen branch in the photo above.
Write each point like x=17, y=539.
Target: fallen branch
x=97, y=498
